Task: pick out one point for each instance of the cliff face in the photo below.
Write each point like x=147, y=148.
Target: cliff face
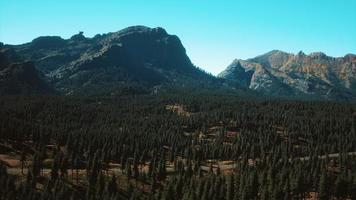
x=280, y=73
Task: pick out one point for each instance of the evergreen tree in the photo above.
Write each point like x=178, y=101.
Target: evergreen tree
x=112, y=185
x=22, y=159
x=230, y=187
x=323, y=186
x=340, y=187
x=55, y=168
x=128, y=172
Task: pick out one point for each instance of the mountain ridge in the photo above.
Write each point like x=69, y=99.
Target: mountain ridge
x=137, y=56
x=286, y=74
x=146, y=60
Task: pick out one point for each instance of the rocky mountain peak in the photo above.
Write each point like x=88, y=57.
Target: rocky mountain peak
x=137, y=55
x=315, y=74
x=318, y=55
x=350, y=57
x=48, y=42
x=274, y=58
x=134, y=31
x=301, y=54
x=79, y=37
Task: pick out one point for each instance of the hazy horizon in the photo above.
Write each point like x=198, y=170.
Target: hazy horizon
x=213, y=33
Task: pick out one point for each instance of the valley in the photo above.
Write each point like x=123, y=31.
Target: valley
x=175, y=147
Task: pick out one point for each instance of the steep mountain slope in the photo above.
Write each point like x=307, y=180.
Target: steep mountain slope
x=19, y=77
x=279, y=73
x=137, y=57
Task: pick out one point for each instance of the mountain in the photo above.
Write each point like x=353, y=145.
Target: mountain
x=140, y=59
x=18, y=76
x=136, y=59
x=283, y=74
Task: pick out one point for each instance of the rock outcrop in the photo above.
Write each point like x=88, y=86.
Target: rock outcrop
x=284, y=74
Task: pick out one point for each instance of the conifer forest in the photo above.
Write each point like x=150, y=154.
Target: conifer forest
x=170, y=147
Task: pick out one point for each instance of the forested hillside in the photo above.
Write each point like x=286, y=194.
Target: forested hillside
x=173, y=147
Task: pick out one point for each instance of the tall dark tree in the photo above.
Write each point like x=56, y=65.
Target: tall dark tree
x=112, y=185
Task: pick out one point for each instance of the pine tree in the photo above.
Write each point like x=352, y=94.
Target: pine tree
x=297, y=182
x=323, y=186
x=169, y=193
x=136, y=172
x=112, y=185
x=100, y=185
x=162, y=169
x=353, y=124
x=64, y=166
x=265, y=194
x=153, y=184
x=35, y=169
x=94, y=172
x=244, y=193
x=55, y=168
x=76, y=164
x=128, y=172
x=340, y=187
x=22, y=159
x=353, y=187
x=230, y=187
x=205, y=192
x=253, y=185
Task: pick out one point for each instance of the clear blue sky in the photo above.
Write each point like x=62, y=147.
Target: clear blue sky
x=213, y=32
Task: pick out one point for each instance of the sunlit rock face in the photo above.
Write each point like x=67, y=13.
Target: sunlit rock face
x=281, y=73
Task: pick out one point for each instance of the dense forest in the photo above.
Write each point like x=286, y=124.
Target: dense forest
x=166, y=147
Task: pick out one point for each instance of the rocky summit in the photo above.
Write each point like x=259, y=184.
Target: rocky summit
x=283, y=74
x=135, y=59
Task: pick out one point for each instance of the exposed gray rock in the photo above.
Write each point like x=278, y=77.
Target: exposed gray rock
x=280, y=73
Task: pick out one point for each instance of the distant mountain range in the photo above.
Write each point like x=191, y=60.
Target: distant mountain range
x=139, y=59
x=279, y=73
